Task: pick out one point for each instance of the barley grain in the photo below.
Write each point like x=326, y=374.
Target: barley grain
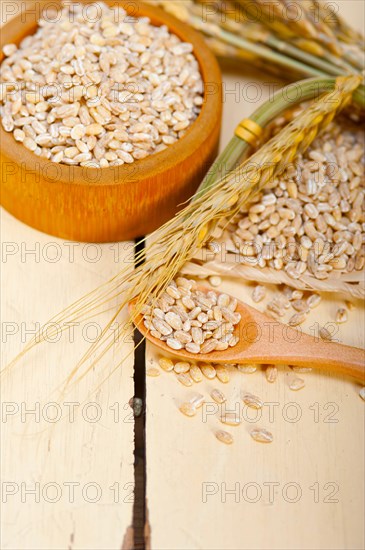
x=294, y=219
x=231, y=419
x=258, y=293
x=297, y=319
x=215, y=280
x=252, y=401
x=301, y=369
x=224, y=437
x=261, y=435
x=198, y=400
x=218, y=396
x=247, y=369
x=325, y=334
x=166, y=364
x=9, y=49
x=174, y=344
x=181, y=367
x=296, y=384
x=192, y=348
x=314, y=300
x=188, y=409
x=196, y=373
x=271, y=373
x=209, y=346
x=208, y=371
x=222, y=374
x=341, y=315
x=173, y=320
x=152, y=371
x=184, y=379
x=183, y=337
x=77, y=68
x=19, y=135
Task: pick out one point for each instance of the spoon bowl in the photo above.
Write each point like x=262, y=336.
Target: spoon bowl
x=264, y=340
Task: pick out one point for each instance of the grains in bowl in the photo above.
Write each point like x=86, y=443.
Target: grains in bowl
x=99, y=88
x=310, y=219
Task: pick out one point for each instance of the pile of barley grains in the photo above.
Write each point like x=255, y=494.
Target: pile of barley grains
x=311, y=218
x=98, y=88
x=227, y=412
x=186, y=318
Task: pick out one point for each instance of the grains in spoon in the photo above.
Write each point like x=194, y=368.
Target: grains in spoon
x=186, y=318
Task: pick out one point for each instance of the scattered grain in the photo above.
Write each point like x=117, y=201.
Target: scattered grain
x=231, y=419
x=297, y=319
x=195, y=373
x=166, y=364
x=258, y=293
x=247, y=369
x=188, y=409
x=314, y=300
x=218, y=396
x=301, y=370
x=153, y=371
x=184, y=379
x=198, y=400
x=224, y=437
x=222, y=373
x=181, y=367
x=325, y=334
x=271, y=373
x=208, y=371
x=296, y=384
x=261, y=435
x=341, y=315
x=215, y=280
x=252, y=401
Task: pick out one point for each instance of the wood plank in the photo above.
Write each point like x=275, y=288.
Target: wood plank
x=80, y=465
x=305, y=490
x=318, y=439
x=80, y=441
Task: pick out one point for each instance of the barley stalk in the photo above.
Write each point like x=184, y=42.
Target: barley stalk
x=231, y=248
x=349, y=284
x=269, y=36
x=305, y=50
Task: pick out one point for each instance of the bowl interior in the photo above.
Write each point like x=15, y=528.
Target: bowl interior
x=26, y=24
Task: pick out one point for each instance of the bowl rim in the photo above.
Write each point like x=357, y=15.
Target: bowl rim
x=152, y=165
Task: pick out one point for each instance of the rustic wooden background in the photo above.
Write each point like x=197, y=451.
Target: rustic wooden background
x=67, y=481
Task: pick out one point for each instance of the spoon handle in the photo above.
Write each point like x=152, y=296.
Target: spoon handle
x=312, y=352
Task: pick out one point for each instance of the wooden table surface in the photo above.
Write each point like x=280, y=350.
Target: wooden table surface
x=67, y=473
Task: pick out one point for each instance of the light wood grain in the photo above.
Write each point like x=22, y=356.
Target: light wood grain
x=325, y=446
x=68, y=461
x=93, y=450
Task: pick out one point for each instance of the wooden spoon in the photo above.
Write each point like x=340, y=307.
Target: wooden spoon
x=265, y=340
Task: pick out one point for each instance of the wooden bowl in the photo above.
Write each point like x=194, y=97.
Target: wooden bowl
x=116, y=203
